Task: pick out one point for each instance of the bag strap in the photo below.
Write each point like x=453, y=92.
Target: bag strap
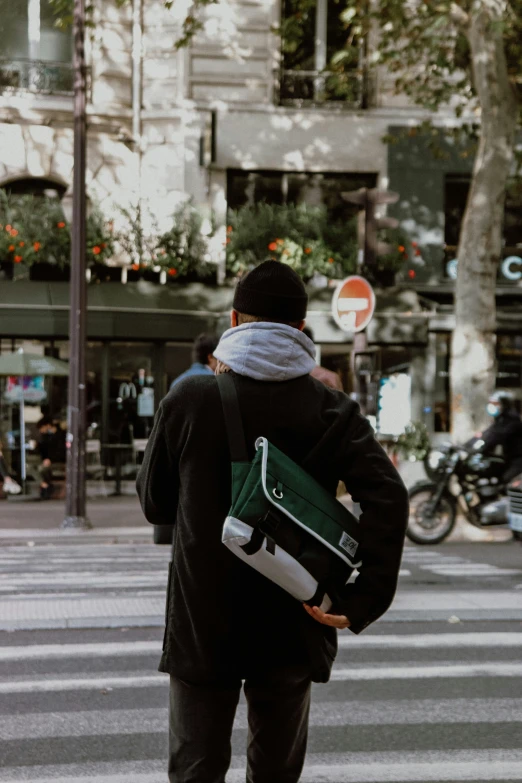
x=233, y=421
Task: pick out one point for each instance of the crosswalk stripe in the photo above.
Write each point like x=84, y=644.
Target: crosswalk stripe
x=402, y=773
x=95, y=723
x=410, y=671
x=84, y=684
x=407, y=671
x=90, y=649
x=430, y=770
x=346, y=642
x=431, y=640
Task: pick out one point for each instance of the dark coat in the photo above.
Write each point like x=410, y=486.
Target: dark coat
x=506, y=431
x=223, y=619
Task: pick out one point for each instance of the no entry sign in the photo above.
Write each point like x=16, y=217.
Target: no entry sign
x=353, y=304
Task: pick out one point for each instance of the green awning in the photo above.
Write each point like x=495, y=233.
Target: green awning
x=147, y=311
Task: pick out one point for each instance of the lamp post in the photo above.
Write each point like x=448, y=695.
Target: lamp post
x=75, y=516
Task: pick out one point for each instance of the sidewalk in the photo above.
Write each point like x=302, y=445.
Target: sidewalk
x=120, y=518
x=111, y=611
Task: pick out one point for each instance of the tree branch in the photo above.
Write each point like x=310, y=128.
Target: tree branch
x=458, y=15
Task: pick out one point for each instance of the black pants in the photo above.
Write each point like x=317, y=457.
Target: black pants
x=201, y=720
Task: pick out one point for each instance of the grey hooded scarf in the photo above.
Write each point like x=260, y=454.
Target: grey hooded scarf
x=267, y=351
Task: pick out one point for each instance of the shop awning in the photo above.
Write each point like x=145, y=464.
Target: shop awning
x=136, y=311
x=148, y=311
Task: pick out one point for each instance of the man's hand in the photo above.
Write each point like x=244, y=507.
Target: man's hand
x=335, y=620
x=46, y=463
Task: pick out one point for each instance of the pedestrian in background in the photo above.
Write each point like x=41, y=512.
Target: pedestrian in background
x=51, y=445
x=203, y=361
x=9, y=485
x=327, y=377
x=506, y=431
x=225, y=622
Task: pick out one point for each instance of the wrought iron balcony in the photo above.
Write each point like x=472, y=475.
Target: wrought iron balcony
x=312, y=88
x=36, y=76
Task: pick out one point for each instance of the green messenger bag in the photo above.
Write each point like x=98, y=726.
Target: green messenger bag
x=282, y=522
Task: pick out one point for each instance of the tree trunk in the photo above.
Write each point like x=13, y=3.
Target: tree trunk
x=473, y=363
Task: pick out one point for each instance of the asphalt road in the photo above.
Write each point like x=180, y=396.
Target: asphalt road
x=428, y=700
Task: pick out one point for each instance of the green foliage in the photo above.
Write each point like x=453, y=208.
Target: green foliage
x=300, y=236
x=139, y=245
x=414, y=443
x=33, y=229
x=182, y=250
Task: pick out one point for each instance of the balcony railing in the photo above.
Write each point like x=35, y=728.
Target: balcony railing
x=36, y=76
x=312, y=88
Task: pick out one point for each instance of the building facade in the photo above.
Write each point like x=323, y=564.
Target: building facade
x=230, y=120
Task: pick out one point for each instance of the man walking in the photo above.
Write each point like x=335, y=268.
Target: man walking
x=225, y=623
x=203, y=361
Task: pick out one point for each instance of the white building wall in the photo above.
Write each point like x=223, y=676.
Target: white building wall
x=229, y=68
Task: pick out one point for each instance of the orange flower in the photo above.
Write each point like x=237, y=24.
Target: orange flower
x=173, y=272
x=280, y=241
x=17, y=259
x=11, y=248
x=8, y=228
x=286, y=252
x=418, y=252
x=103, y=245
x=411, y=273
x=14, y=232
x=330, y=260
x=135, y=267
x=96, y=250
x=21, y=244
x=308, y=250
x=272, y=246
x=61, y=224
x=401, y=248
x=37, y=246
x=163, y=252
x=229, y=229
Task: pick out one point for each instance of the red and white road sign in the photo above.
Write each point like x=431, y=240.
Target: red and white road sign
x=353, y=304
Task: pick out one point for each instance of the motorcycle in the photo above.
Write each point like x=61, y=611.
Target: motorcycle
x=461, y=479
x=515, y=507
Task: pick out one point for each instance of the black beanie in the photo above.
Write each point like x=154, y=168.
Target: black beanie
x=272, y=290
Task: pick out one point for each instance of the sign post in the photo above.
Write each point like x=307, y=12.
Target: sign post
x=353, y=306
x=368, y=226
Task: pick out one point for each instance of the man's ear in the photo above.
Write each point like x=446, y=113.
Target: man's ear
x=302, y=326
x=233, y=319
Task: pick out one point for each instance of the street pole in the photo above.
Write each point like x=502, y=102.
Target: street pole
x=75, y=516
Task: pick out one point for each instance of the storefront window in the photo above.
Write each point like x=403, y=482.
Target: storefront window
x=279, y=187
x=44, y=396
x=441, y=402
x=509, y=363
x=131, y=391
x=178, y=358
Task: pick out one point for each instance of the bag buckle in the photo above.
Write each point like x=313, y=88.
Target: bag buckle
x=269, y=523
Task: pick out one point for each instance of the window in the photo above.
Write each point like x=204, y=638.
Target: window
x=455, y=198
x=36, y=55
x=313, y=33
x=278, y=187
x=509, y=361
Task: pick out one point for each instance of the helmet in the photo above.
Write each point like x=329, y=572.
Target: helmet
x=500, y=402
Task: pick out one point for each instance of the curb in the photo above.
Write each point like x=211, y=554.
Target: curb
x=157, y=621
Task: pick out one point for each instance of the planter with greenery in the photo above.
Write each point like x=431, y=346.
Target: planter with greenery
x=306, y=239
x=35, y=234
x=302, y=237
x=182, y=251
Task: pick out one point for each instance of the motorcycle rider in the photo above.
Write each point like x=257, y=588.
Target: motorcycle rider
x=506, y=431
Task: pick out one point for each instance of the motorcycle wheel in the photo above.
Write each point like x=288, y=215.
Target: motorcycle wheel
x=517, y=535
x=432, y=529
